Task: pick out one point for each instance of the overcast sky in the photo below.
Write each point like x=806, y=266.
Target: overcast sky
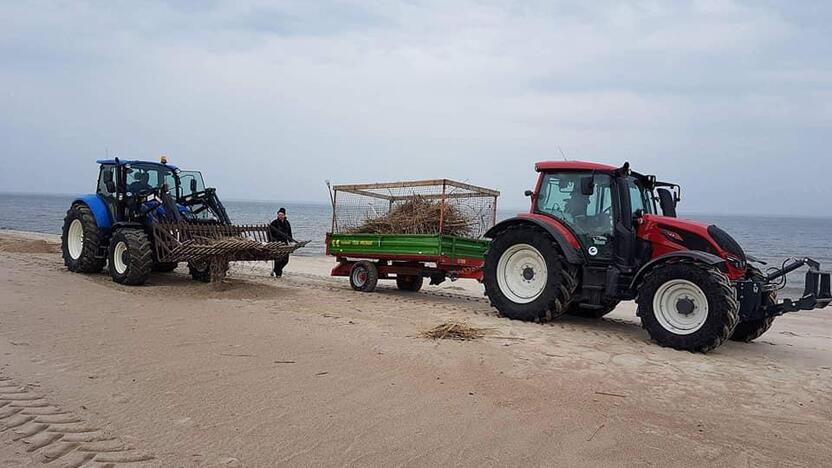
x=732, y=99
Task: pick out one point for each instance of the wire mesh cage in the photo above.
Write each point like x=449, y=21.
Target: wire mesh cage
x=438, y=206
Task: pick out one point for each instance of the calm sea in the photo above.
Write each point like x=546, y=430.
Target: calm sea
x=769, y=238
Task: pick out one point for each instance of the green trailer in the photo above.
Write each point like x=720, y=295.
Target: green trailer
x=408, y=257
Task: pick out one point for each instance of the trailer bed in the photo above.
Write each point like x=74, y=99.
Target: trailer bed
x=432, y=256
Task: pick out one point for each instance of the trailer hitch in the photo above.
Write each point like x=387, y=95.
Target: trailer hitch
x=817, y=293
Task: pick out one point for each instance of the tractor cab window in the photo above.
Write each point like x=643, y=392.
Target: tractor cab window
x=640, y=197
x=146, y=178
x=589, y=216
x=107, y=181
x=191, y=182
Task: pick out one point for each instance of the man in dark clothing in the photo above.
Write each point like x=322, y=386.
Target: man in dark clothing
x=281, y=231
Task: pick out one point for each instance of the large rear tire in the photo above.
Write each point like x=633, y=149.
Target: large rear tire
x=409, y=283
x=526, y=276
x=688, y=305
x=81, y=240
x=750, y=330
x=607, y=307
x=130, y=257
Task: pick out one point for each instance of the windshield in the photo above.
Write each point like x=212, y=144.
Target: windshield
x=191, y=182
x=640, y=197
x=149, y=177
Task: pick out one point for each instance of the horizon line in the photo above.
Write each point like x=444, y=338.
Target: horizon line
x=499, y=208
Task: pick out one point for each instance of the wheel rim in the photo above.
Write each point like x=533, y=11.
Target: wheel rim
x=119, y=260
x=75, y=239
x=522, y=273
x=680, y=306
x=359, y=277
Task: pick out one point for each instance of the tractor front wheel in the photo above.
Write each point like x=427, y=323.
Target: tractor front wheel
x=688, y=305
x=526, y=276
x=130, y=257
x=81, y=240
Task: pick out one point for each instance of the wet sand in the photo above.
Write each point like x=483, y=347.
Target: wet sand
x=303, y=371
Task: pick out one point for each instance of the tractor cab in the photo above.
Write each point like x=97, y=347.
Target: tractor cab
x=149, y=191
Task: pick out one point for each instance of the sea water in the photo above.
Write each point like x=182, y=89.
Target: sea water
x=769, y=238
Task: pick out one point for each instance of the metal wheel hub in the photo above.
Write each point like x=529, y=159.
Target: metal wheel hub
x=680, y=307
x=522, y=273
x=75, y=239
x=120, y=257
x=359, y=277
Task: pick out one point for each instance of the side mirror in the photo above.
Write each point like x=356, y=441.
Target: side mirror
x=529, y=193
x=587, y=185
x=667, y=201
x=193, y=185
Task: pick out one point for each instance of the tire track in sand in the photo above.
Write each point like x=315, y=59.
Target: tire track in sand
x=54, y=435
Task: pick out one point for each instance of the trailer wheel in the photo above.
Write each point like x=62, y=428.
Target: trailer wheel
x=688, y=306
x=81, y=240
x=164, y=267
x=200, y=270
x=752, y=329
x=364, y=276
x=526, y=276
x=410, y=283
x=130, y=257
x=607, y=307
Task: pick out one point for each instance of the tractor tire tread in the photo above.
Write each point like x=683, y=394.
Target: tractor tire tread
x=140, y=257
x=564, y=278
x=721, y=297
x=89, y=261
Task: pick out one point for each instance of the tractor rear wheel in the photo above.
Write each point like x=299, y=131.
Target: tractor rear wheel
x=750, y=330
x=409, y=283
x=687, y=305
x=164, y=267
x=364, y=276
x=130, y=257
x=607, y=307
x=81, y=240
x=526, y=276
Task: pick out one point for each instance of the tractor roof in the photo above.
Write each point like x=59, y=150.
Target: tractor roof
x=136, y=161
x=572, y=166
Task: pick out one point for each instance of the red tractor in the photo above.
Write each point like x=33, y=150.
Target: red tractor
x=593, y=237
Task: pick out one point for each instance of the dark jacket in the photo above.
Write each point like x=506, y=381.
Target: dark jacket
x=281, y=231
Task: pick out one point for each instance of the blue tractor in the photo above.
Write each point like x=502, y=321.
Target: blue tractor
x=148, y=216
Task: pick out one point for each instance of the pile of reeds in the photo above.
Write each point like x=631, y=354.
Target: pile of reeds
x=454, y=331
x=419, y=215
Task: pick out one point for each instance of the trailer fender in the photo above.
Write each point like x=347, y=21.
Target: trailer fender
x=98, y=208
x=696, y=255
x=567, y=241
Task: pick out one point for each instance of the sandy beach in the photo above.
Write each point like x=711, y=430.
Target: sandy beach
x=303, y=371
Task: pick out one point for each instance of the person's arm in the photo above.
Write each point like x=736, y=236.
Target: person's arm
x=289, y=227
